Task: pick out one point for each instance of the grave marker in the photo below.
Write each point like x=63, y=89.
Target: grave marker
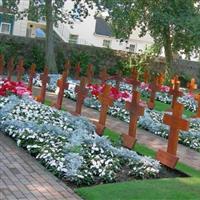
x=161, y=79
x=77, y=71
x=105, y=101
x=82, y=93
x=90, y=73
x=118, y=78
x=45, y=79
x=176, y=124
x=20, y=69
x=155, y=87
x=174, y=80
x=197, y=98
x=175, y=92
x=62, y=85
x=103, y=75
x=32, y=74
x=1, y=64
x=192, y=85
x=10, y=67
x=146, y=77
x=133, y=80
x=136, y=110
x=67, y=66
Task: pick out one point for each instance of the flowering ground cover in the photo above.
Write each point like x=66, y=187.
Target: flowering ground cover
x=68, y=146
x=171, y=188
x=151, y=121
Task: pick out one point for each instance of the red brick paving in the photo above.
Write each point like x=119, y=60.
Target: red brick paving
x=24, y=178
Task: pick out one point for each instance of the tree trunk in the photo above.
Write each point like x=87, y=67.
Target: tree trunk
x=168, y=51
x=49, y=52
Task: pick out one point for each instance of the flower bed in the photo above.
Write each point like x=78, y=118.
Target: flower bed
x=68, y=146
x=152, y=120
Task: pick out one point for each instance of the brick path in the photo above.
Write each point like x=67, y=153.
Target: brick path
x=186, y=155
x=24, y=178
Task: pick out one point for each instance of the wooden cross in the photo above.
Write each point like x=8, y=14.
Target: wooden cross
x=67, y=66
x=10, y=67
x=45, y=79
x=105, y=101
x=1, y=64
x=20, y=69
x=90, y=73
x=61, y=83
x=175, y=92
x=82, y=93
x=118, y=78
x=103, y=75
x=197, y=98
x=135, y=110
x=134, y=79
x=161, y=78
x=77, y=71
x=155, y=87
x=146, y=77
x=176, y=124
x=32, y=74
x=192, y=85
x=174, y=80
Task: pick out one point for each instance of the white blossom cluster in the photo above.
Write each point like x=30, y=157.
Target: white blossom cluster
x=68, y=145
x=152, y=121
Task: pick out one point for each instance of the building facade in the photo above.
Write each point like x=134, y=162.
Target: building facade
x=92, y=31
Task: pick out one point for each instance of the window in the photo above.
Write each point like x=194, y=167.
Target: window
x=106, y=43
x=73, y=39
x=5, y=28
x=132, y=48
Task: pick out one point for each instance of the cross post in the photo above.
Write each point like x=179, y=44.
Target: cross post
x=32, y=74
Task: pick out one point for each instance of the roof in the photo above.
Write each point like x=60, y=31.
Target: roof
x=102, y=27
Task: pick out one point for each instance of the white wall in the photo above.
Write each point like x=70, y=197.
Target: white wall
x=21, y=25
x=86, y=32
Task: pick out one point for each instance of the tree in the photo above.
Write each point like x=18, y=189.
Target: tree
x=173, y=24
x=54, y=11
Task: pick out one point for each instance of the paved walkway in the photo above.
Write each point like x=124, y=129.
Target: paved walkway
x=24, y=178
x=186, y=155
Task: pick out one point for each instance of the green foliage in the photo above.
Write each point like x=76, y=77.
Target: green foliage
x=174, y=25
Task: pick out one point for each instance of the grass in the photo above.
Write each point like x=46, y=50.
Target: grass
x=171, y=188
x=159, y=106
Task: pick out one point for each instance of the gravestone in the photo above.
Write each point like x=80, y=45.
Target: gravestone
x=155, y=87
x=174, y=80
x=161, y=78
x=45, y=79
x=62, y=85
x=90, y=73
x=20, y=69
x=133, y=80
x=82, y=93
x=67, y=66
x=192, y=85
x=176, y=124
x=135, y=110
x=175, y=92
x=77, y=71
x=1, y=64
x=146, y=76
x=105, y=101
x=118, y=79
x=103, y=76
x=32, y=74
x=197, y=98
x=10, y=68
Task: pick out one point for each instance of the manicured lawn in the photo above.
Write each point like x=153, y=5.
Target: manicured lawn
x=172, y=188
